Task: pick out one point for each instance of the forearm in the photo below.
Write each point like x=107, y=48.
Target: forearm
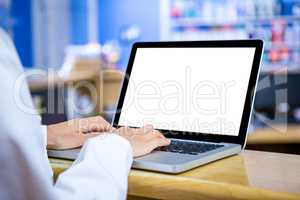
x=50, y=140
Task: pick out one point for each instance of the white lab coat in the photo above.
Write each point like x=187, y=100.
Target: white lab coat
x=100, y=171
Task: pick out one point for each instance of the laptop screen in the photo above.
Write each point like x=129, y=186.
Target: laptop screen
x=199, y=89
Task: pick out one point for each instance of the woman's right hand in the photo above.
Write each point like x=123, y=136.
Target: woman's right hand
x=143, y=140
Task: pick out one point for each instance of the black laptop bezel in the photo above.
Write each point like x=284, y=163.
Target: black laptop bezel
x=241, y=137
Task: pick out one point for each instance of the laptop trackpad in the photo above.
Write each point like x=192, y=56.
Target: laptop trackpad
x=166, y=158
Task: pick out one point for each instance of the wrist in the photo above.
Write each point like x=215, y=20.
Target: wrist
x=51, y=139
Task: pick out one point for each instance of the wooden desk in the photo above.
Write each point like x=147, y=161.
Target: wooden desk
x=276, y=135
x=279, y=138
x=249, y=175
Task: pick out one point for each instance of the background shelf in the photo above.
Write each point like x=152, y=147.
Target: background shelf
x=277, y=22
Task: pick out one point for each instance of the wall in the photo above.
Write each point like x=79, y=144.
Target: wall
x=115, y=14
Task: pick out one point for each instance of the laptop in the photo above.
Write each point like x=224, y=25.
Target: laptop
x=197, y=93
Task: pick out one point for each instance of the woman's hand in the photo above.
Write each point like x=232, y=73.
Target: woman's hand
x=74, y=133
x=143, y=140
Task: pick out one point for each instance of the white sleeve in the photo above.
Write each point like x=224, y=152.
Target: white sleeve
x=24, y=166
x=44, y=134
x=100, y=171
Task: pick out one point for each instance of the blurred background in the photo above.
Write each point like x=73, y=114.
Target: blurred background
x=81, y=39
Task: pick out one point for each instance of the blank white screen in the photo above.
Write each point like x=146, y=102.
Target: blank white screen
x=188, y=89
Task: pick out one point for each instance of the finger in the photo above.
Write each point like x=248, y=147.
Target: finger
x=113, y=129
x=147, y=128
x=154, y=134
x=168, y=142
x=95, y=133
x=159, y=134
x=106, y=125
x=124, y=131
x=91, y=135
x=159, y=142
x=97, y=123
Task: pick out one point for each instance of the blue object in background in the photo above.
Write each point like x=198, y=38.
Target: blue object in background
x=22, y=30
x=287, y=6
x=4, y=16
x=78, y=10
x=114, y=16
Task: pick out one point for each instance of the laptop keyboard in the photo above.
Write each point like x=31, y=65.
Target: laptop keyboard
x=192, y=148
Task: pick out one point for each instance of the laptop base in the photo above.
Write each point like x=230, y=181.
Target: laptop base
x=167, y=162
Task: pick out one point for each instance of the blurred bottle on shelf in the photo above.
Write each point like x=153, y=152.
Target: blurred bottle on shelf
x=110, y=54
x=277, y=22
